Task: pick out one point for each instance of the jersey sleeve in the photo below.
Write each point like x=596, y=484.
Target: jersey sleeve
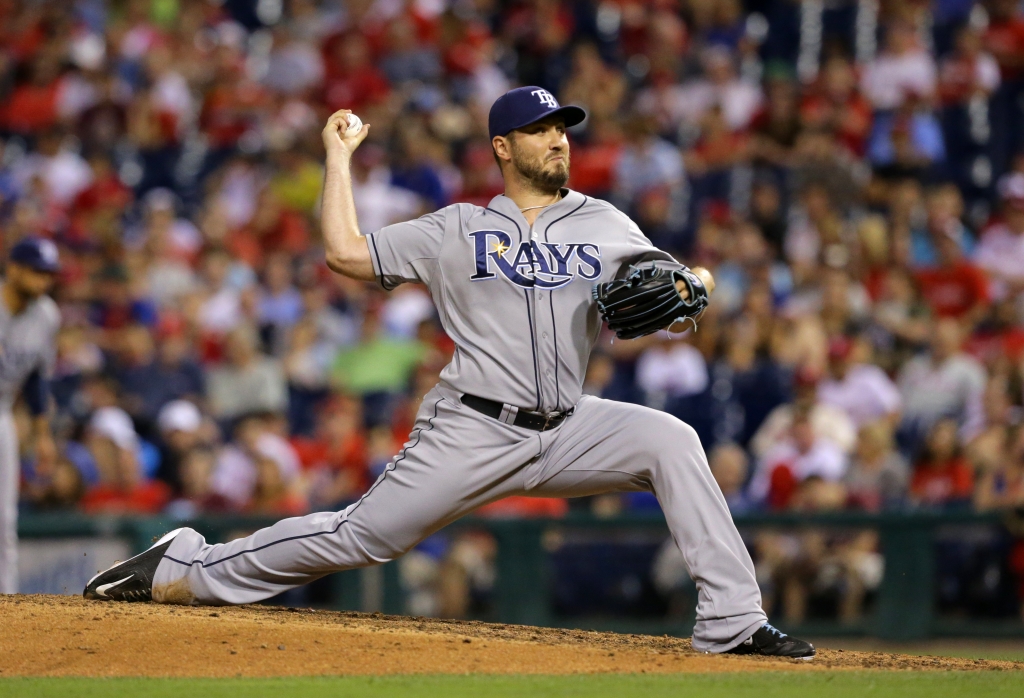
x=407, y=252
x=641, y=250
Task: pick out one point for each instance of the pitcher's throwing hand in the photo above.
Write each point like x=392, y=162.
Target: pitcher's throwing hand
x=337, y=140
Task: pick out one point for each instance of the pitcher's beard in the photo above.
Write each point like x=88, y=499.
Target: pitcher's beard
x=545, y=179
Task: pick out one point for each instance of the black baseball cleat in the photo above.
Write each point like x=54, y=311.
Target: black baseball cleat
x=768, y=641
x=131, y=580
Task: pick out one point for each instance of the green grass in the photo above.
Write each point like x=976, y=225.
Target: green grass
x=759, y=685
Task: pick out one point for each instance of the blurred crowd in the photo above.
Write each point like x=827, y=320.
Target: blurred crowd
x=852, y=172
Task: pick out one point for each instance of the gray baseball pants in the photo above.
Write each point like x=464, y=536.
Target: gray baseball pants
x=8, y=504
x=457, y=460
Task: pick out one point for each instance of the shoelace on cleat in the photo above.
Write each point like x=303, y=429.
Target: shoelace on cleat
x=773, y=630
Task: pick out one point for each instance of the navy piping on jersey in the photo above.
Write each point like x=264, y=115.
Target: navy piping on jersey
x=373, y=242
x=341, y=523
x=529, y=315
x=585, y=199
x=554, y=340
x=551, y=299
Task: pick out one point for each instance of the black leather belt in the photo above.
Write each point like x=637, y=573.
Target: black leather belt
x=510, y=414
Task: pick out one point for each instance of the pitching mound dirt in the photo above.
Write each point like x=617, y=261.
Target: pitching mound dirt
x=67, y=636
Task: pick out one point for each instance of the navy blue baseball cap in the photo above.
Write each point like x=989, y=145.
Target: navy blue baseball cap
x=525, y=105
x=36, y=253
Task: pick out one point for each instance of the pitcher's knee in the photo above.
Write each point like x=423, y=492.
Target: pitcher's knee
x=666, y=432
x=376, y=547
x=687, y=434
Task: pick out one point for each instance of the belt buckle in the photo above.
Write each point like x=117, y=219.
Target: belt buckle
x=549, y=417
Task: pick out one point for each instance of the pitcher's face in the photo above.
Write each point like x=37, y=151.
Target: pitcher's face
x=540, y=153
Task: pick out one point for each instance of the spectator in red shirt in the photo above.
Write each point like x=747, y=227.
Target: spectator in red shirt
x=942, y=477
x=718, y=148
x=594, y=162
x=777, y=125
x=463, y=41
x=955, y=288
x=1000, y=338
x=106, y=190
x=838, y=105
x=32, y=106
x=100, y=204
x=336, y=455
x=970, y=72
x=273, y=228
x=481, y=180
x=353, y=82
x=231, y=107
x=1004, y=37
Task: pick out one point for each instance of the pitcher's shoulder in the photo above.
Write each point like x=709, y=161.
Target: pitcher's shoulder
x=601, y=215
x=464, y=210
x=600, y=207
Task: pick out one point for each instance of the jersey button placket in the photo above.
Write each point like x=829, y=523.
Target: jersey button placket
x=546, y=349
x=547, y=353
x=534, y=300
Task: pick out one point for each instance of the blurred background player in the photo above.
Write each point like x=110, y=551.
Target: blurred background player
x=29, y=320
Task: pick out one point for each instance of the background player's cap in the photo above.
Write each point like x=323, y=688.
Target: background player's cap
x=524, y=105
x=36, y=253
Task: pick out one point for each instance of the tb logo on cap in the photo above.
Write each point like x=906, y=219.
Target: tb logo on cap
x=48, y=251
x=546, y=98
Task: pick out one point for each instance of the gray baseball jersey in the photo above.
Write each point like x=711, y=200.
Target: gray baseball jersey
x=26, y=345
x=517, y=302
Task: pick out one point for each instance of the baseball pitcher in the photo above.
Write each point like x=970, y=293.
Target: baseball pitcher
x=29, y=320
x=521, y=287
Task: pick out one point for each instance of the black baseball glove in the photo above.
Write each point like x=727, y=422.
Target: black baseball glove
x=646, y=300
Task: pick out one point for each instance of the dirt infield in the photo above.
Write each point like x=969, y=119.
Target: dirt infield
x=67, y=636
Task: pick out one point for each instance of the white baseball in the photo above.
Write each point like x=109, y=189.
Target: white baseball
x=355, y=124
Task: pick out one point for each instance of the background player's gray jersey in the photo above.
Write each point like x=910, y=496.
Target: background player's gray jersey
x=26, y=344
x=516, y=301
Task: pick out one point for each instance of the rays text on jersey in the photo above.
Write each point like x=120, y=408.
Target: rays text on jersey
x=534, y=264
